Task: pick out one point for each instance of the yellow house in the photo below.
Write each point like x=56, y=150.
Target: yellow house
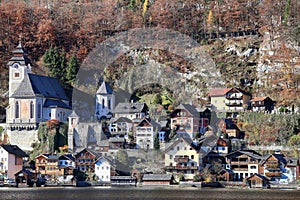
x=182, y=157
x=229, y=99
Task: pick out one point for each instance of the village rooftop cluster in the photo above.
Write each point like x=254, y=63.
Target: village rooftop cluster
x=187, y=139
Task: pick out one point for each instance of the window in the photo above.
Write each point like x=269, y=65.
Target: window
x=103, y=102
x=253, y=167
x=192, y=156
x=39, y=109
x=178, y=148
x=109, y=104
x=17, y=110
x=31, y=109
x=16, y=75
x=171, y=156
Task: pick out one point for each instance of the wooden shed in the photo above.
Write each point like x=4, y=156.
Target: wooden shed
x=257, y=181
x=158, y=179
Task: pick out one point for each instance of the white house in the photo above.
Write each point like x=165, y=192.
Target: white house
x=104, y=169
x=11, y=160
x=32, y=99
x=66, y=160
x=146, y=132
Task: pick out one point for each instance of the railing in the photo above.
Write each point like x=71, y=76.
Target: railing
x=181, y=167
x=243, y=162
x=273, y=174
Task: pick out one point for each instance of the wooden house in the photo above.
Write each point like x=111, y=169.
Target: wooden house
x=257, y=181
x=85, y=160
x=262, y=104
x=226, y=175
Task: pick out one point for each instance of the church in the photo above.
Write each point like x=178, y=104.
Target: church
x=32, y=99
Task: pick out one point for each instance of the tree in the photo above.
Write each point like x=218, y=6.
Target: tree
x=72, y=69
x=156, y=142
x=294, y=141
x=52, y=60
x=157, y=99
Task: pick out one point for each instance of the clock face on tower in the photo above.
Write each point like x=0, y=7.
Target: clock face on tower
x=16, y=65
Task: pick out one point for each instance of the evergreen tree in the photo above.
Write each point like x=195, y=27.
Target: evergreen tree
x=156, y=142
x=56, y=62
x=72, y=69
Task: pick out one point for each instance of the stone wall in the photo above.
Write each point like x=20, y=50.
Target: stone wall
x=23, y=138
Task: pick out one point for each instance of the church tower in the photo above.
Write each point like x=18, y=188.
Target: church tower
x=105, y=101
x=19, y=65
x=73, y=122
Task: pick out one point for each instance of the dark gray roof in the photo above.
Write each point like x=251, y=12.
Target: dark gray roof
x=123, y=119
x=73, y=114
x=55, y=103
x=291, y=162
x=19, y=56
x=25, y=88
x=116, y=139
x=122, y=178
x=50, y=156
x=259, y=176
x=67, y=156
x=14, y=149
x=250, y=153
x=159, y=177
x=150, y=122
x=130, y=107
x=187, y=140
x=34, y=85
x=191, y=109
x=104, y=89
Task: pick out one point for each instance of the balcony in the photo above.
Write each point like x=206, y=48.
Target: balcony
x=229, y=103
x=233, y=97
x=181, y=167
x=273, y=174
x=243, y=162
x=183, y=159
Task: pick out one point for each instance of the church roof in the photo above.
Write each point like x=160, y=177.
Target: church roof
x=19, y=56
x=55, y=103
x=35, y=85
x=104, y=89
x=73, y=114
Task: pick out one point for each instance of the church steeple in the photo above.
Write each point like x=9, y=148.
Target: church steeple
x=19, y=65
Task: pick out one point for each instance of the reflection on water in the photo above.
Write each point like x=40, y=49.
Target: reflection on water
x=145, y=193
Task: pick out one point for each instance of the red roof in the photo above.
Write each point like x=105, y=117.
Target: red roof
x=218, y=91
x=259, y=98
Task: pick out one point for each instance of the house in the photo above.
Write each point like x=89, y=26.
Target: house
x=67, y=163
x=121, y=127
x=279, y=168
x=262, y=104
x=85, y=160
x=25, y=177
x=243, y=163
x=116, y=143
x=226, y=175
x=46, y=165
x=185, y=119
x=205, y=115
x=158, y=179
x=146, y=132
x=105, y=101
x=182, y=156
x=134, y=111
x=257, y=181
x=11, y=160
x=222, y=146
x=229, y=129
x=104, y=169
x=229, y=99
x=32, y=99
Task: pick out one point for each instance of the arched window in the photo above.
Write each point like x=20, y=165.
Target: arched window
x=31, y=110
x=103, y=102
x=39, y=110
x=17, y=110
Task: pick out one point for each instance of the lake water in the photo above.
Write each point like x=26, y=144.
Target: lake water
x=169, y=193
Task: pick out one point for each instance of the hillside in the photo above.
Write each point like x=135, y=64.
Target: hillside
x=253, y=43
